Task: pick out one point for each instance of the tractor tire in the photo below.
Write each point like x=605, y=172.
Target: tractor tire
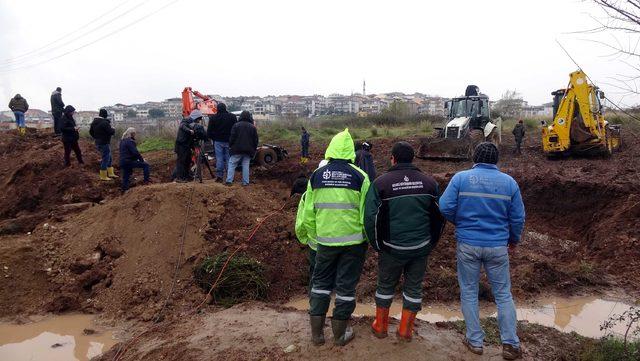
x=476, y=136
x=266, y=156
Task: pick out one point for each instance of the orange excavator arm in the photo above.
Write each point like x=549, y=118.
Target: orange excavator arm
x=206, y=104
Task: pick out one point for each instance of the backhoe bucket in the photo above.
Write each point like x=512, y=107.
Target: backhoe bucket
x=445, y=149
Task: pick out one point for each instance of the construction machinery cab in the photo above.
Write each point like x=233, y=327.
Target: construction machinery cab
x=468, y=122
x=466, y=113
x=578, y=125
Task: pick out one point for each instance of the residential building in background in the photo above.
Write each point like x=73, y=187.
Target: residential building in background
x=34, y=118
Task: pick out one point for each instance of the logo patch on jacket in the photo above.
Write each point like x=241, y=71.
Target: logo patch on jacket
x=337, y=176
x=407, y=184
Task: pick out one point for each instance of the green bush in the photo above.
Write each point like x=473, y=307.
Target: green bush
x=153, y=144
x=532, y=124
x=244, y=279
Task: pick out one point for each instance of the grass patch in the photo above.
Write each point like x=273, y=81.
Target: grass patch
x=612, y=349
x=490, y=327
x=243, y=280
x=153, y=144
x=322, y=129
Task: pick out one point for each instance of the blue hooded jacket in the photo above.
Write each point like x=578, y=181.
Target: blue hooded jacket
x=485, y=205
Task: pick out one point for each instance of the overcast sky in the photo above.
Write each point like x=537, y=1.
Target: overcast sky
x=257, y=47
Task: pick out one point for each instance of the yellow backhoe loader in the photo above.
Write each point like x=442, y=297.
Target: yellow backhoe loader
x=578, y=125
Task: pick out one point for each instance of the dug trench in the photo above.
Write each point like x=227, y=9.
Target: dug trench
x=92, y=250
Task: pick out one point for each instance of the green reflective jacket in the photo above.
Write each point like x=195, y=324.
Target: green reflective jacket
x=301, y=230
x=332, y=212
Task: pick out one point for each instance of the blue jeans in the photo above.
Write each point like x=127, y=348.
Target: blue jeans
x=495, y=261
x=222, y=157
x=19, y=119
x=105, y=151
x=233, y=164
x=127, y=169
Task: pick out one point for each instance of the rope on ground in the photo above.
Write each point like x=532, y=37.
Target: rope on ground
x=124, y=349
x=180, y=252
x=224, y=267
x=158, y=315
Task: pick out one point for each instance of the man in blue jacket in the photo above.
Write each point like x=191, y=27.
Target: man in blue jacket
x=486, y=207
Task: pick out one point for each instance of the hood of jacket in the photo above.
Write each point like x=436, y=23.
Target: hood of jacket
x=222, y=108
x=341, y=147
x=18, y=97
x=55, y=92
x=69, y=109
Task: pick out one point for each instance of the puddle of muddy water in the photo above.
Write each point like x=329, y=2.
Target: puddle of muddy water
x=55, y=338
x=584, y=315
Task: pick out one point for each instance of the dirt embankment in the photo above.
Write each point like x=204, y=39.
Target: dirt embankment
x=35, y=184
x=119, y=257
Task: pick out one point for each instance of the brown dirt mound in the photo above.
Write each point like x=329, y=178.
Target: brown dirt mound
x=36, y=185
x=119, y=258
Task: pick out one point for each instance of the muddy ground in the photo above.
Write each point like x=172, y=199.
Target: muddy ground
x=255, y=331
x=72, y=243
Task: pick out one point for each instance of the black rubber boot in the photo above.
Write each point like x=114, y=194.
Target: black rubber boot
x=317, y=330
x=342, y=332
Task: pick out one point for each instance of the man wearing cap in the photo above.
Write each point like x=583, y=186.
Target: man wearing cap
x=102, y=131
x=332, y=215
x=184, y=141
x=486, y=207
x=364, y=160
x=403, y=224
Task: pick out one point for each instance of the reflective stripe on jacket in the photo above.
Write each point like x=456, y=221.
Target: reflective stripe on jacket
x=401, y=212
x=301, y=230
x=333, y=208
x=485, y=205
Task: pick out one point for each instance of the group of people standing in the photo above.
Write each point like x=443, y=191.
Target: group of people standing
x=130, y=158
x=401, y=215
x=235, y=142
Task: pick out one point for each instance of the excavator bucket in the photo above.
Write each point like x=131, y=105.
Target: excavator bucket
x=445, y=149
x=453, y=149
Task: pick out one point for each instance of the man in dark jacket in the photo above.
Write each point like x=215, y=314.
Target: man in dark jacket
x=130, y=158
x=403, y=224
x=364, y=160
x=57, y=107
x=101, y=131
x=184, y=143
x=219, y=131
x=70, y=135
x=518, y=134
x=19, y=106
x=304, y=143
x=243, y=143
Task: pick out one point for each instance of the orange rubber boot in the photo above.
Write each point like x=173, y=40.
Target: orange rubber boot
x=380, y=325
x=405, y=330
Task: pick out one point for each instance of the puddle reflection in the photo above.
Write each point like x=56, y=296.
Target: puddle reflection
x=57, y=338
x=584, y=315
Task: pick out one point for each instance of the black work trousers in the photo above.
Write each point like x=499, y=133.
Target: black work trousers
x=183, y=162
x=68, y=147
x=339, y=268
x=390, y=269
